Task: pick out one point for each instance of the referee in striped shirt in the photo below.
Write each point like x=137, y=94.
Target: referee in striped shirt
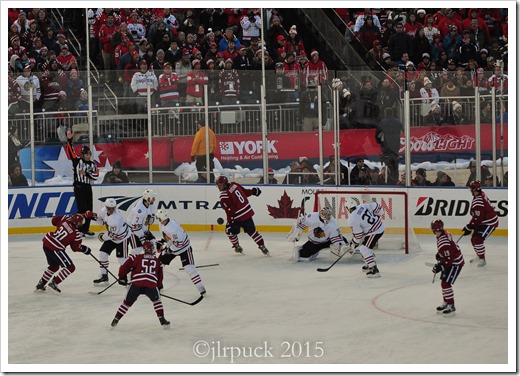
x=85, y=173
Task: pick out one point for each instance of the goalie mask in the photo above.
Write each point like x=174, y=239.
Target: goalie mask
x=325, y=214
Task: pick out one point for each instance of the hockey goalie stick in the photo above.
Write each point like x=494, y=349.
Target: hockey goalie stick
x=203, y=266
x=302, y=205
x=182, y=301
x=334, y=263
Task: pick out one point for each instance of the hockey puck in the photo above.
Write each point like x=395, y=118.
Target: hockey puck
x=220, y=221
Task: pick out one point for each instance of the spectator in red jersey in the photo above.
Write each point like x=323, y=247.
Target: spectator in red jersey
x=168, y=87
x=449, y=264
x=316, y=71
x=54, y=244
x=411, y=25
x=484, y=220
x=195, y=81
x=448, y=23
x=147, y=279
x=294, y=43
x=239, y=213
x=65, y=58
x=498, y=80
x=231, y=52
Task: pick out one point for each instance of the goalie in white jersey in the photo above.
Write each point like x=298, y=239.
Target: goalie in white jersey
x=117, y=237
x=324, y=233
x=141, y=216
x=367, y=228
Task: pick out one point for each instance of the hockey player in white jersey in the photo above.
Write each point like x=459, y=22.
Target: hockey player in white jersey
x=324, y=233
x=117, y=237
x=367, y=228
x=175, y=242
x=140, y=217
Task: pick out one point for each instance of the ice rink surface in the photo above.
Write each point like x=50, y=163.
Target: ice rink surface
x=265, y=313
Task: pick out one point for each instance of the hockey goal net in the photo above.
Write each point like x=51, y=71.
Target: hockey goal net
x=398, y=232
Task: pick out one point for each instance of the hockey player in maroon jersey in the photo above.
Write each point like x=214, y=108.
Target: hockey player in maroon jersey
x=147, y=278
x=449, y=264
x=233, y=198
x=54, y=244
x=483, y=222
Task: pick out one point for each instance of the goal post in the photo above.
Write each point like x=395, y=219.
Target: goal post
x=398, y=232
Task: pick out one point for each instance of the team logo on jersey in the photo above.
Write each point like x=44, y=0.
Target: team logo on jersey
x=123, y=202
x=284, y=209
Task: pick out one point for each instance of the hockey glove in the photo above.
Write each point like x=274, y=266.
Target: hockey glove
x=90, y=215
x=437, y=268
x=437, y=257
x=86, y=250
x=160, y=287
x=466, y=230
x=100, y=236
x=193, y=158
x=123, y=281
x=256, y=191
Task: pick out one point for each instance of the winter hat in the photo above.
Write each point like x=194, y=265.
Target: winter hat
x=426, y=55
x=314, y=52
x=427, y=81
x=194, y=62
x=456, y=105
x=292, y=30
x=421, y=171
x=484, y=51
x=280, y=37
x=210, y=61
x=229, y=60
x=409, y=63
x=421, y=11
x=386, y=56
x=116, y=164
x=435, y=106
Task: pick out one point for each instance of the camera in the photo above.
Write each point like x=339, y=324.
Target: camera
x=252, y=17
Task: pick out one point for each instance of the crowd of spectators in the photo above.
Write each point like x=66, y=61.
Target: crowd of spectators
x=433, y=53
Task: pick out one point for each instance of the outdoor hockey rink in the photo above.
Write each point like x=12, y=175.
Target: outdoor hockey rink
x=274, y=314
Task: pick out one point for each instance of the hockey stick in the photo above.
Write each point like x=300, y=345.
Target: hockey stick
x=202, y=266
x=182, y=301
x=334, y=263
x=99, y=262
x=105, y=289
x=302, y=205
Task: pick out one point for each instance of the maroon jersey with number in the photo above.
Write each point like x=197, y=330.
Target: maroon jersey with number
x=146, y=270
x=235, y=203
x=65, y=234
x=448, y=251
x=482, y=213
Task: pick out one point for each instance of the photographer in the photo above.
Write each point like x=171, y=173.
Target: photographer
x=116, y=175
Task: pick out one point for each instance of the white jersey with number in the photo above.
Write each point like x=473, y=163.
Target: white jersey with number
x=137, y=217
x=117, y=229
x=365, y=220
x=314, y=223
x=176, y=239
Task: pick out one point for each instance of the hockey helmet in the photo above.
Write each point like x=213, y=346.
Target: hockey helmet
x=351, y=204
x=85, y=150
x=148, y=246
x=110, y=203
x=222, y=180
x=475, y=185
x=325, y=214
x=162, y=215
x=149, y=195
x=77, y=219
x=437, y=225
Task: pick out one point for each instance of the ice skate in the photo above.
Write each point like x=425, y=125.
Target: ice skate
x=479, y=261
x=373, y=272
x=442, y=307
x=449, y=311
x=165, y=323
x=40, y=286
x=115, y=321
x=103, y=278
x=54, y=286
x=264, y=250
x=202, y=291
x=365, y=268
x=89, y=233
x=239, y=249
